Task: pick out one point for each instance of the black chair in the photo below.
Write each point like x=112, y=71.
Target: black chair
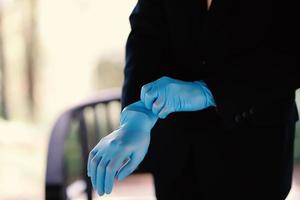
x=56, y=180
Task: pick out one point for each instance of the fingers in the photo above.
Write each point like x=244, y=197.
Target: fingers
x=158, y=104
x=149, y=93
x=153, y=95
x=150, y=97
x=133, y=163
x=93, y=167
x=145, y=89
x=111, y=171
x=104, y=167
x=91, y=155
x=100, y=176
x=165, y=111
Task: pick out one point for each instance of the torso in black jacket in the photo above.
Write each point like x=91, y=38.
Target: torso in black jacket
x=246, y=51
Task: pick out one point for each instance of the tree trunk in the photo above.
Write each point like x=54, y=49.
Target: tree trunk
x=30, y=41
x=3, y=105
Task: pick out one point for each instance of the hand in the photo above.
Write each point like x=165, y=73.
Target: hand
x=167, y=95
x=119, y=153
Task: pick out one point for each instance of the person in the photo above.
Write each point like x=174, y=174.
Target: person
x=208, y=100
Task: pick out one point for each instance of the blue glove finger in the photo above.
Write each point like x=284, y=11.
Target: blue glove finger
x=158, y=104
x=150, y=97
x=91, y=155
x=100, y=176
x=126, y=170
x=125, y=162
x=111, y=170
x=145, y=89
x=165, y=112
x=93, y=167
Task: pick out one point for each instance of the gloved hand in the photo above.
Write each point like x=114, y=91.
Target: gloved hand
x=167, y=95
x=119, y=153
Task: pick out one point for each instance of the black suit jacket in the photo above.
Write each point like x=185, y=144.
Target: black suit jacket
x=246, y=51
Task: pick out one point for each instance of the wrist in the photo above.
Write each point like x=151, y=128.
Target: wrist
x=137, y=117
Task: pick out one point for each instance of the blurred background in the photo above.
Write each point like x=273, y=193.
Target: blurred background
x=54, y=54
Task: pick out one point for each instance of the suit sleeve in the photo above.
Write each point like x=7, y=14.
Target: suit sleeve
x=237, y=100
x=147, y=54
x=229, y=101
x=146, y=49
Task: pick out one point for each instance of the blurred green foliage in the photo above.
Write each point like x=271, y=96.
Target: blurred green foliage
x=73, y=155
x=297, y=141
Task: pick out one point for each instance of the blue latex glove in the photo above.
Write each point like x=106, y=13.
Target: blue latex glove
x=118, y=154
x=167, y=95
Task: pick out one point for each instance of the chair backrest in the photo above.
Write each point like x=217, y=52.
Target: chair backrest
x=56, y=184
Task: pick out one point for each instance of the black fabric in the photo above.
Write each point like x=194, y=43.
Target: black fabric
x=247, y=53
x=238, y=163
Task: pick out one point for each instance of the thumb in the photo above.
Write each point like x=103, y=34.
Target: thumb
x=131, y=165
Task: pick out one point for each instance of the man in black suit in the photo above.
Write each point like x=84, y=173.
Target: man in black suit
x=246, y=54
